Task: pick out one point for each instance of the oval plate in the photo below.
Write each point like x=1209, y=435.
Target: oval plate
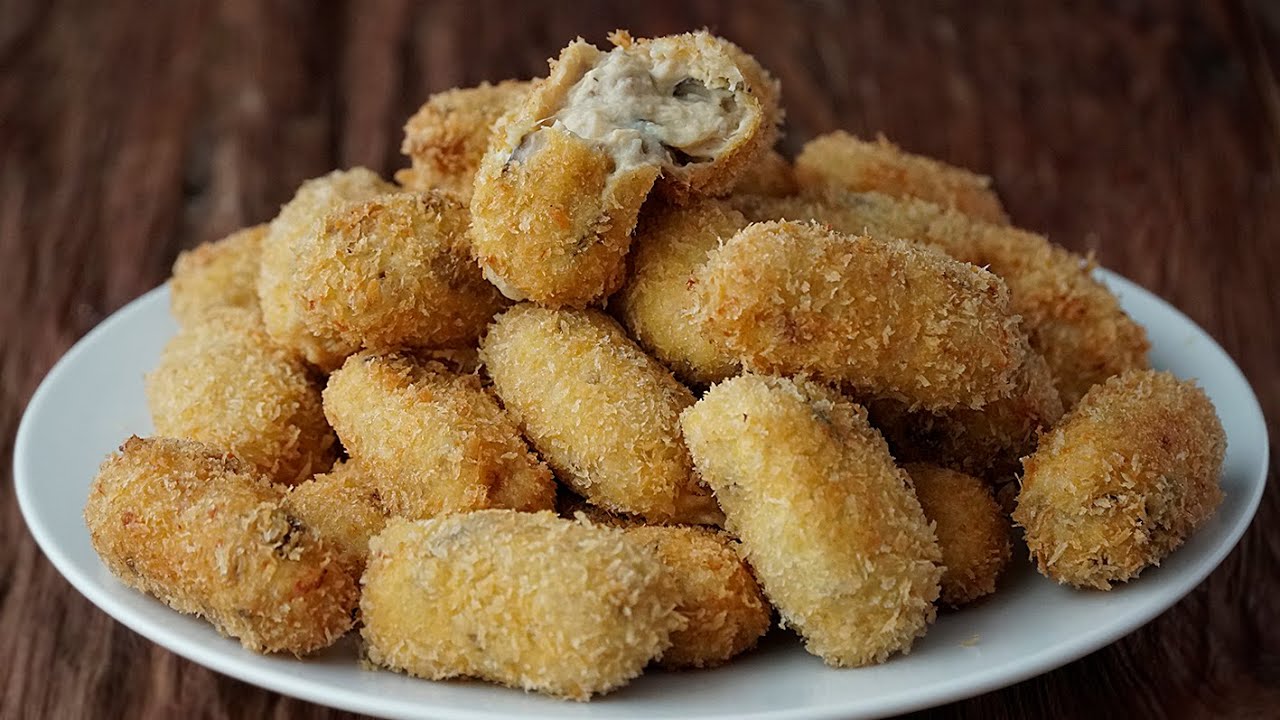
x=93, y=399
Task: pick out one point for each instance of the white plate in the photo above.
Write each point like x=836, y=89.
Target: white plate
x=93, y=399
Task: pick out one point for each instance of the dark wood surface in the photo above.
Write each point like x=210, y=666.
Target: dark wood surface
x=1148, y=133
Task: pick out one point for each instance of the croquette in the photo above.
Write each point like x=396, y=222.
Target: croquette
x=845, y=161
x=446, y=138
x=560, y=187
x=973, y=532
x=1070, y=317
x=431, y=440
x=772, y=175
x=299, y=219
x=828, y=522
x=223, y=381
x=721, y=601
x=341, y=507
x=885, y=317
x=206, y=533
x=393, y=272
x=989, y=443
x=527, y=600
x=658, y=303
x=1123, y=480
x=217, y=274
x=602, y=413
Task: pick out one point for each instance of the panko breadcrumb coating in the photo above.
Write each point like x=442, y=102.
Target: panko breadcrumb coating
x=223, y=381
x=1123, y=480
x=217, y=274
x=528, y=600
x=845, y=161
x=394, y=272
x=658, y=302
x=300, y=218
x=342, y=507
x=725, y=609
x=603, y=414
x=989, y=443
x=886, y=317
x=973, y=532
x=206, y=533
x=431, y=440
x=447, y=137
x=561, y=184
x=828, y=522
x=772, y=175
x=1071, y=318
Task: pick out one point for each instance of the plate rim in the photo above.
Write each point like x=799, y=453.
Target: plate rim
x=960, y=688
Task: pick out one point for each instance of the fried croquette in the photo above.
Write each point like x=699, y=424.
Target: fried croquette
x=973, y=532
x=446, y=138
x=827, y=521
x=217, y=274
x=223, y=381
x=1070, y=317
x=527, y=600
x=772, y=175
x=658, y=302
x=725, y=609
x=886, y=317
x=842, y=160
x=393, y=272
x=1123, y=480
x=206, y=533
x=431, y=440
x=989, y=443
x=602, y=413
x=343, y=508
x=278, y=292
x=560, y=187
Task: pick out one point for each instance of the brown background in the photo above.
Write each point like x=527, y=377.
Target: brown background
x=1146, y=132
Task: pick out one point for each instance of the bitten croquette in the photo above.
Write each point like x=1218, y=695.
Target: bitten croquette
x=458, y=596
x=1123, y=480
x=830, y=525
x=206, y=533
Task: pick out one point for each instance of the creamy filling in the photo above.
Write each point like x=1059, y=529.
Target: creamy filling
x=650, y=114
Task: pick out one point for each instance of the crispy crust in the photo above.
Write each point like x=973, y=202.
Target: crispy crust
x=205, y=533
x=842, y=160
x=224, y=382
x=886, y=317
x=772, y=176
x=299, y=218
x=1123, y=480
x=217, y=274
x=972, y=530
x=457, y=596
x=658, y=302
x=433, y=441
x=726, y=611
x=828, y=522
x=989, y=443
x=394, y=272
x=343, y=508
x=1071, y=318
x=603, y=414
x=554, y=228
x=447, y=137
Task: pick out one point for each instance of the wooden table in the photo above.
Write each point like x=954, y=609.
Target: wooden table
x=1147, y=133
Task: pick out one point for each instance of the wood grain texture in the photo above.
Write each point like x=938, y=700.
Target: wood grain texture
x=1147, y=133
